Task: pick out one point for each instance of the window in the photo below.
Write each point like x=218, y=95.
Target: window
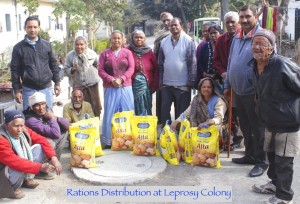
x=19, y=23
x=8, y=22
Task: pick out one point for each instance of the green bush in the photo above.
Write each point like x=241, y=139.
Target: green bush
x=101, y=45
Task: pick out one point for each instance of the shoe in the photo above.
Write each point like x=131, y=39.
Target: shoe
x=18, y=194
x=107, y=147
x=268, y=188
x=243, y=160
x=258, y=170
x=275, y=200
x=30, y=184
x=45, y=176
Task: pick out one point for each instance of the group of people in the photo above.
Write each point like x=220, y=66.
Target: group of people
x=239, y=65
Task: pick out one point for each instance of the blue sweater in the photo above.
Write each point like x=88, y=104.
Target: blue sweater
x=239, y=70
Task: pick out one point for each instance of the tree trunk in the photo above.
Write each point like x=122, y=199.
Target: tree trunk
x=179, y=4
x=224, y=9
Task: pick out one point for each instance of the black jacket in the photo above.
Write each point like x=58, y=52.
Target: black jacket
x=36, y=67
x=278, y=95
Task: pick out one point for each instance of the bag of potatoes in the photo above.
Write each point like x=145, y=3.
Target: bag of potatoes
x=121, y=131
x=205, y=143
x=82, y=139
x=184, y=140
x=93, y=122
x=144, y=135
x=169, y=146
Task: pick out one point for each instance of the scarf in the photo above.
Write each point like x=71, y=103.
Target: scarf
x=200, y=112
x=159, y=36
x=139, y=50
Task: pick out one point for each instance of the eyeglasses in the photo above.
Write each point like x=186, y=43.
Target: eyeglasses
x=261, y=45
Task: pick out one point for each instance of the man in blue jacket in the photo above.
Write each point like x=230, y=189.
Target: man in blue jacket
x=33, y=66
x=277, y=82
x=240, y=78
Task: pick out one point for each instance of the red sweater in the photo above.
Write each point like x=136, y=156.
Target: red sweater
x=221, y=53
x=9, y=158
x=150, y=68
x=110, y=67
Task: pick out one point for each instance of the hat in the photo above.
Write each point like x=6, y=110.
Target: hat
x=10, y=115
x=35, y=98
x=267, y=34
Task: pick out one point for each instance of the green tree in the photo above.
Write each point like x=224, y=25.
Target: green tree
x=31, y=6
x=132, y=15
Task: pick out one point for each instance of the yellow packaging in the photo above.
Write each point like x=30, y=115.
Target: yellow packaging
x=121, y=131
x=144, y=135
x=205, y=143
x=93, y=122
x=82, y=146
x=169, y=146
x=185, y=142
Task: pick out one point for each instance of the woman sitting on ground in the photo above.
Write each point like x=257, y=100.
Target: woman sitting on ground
x=207, y=108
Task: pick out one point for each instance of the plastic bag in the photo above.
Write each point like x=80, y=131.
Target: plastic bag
x=184, y=140
x=121, y=131
x=82, y=140
x=144, y=135
x=93, y=122
x=169, y=146
x=205, y=144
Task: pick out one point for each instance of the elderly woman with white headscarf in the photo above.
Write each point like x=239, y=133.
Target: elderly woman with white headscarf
x=81, y=67
x=145, y=77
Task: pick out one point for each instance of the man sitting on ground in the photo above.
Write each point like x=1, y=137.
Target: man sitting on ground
x=43, y=121
x=77, y=109
x=22, y=153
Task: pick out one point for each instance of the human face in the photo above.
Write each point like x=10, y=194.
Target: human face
x=247, y=20
x=166, y=19
x=80, y=46
x=206, y=89
x=261, y=48
x=40, y=108
x=231, y=25
x=77, y=99
x=32, y=29
x=213, y=35
x=205, y=32
x=139, y=40
x=116, y=41
x=16, y=127
x=175, y=27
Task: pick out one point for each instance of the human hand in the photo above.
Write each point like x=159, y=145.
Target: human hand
x=174, y=125
x=55, y=162
x=19, y=97
x=226, y=94
x=203, y=125
x=224, y=75
x=49, y=115
x=57, y=89
x=47, y=168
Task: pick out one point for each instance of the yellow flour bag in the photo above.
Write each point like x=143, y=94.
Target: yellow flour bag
x=144, y=135
x=82, y=146
x=185, y=142
x=205, y=144
x=121, y=131
x=169, y=145
x=93, y=122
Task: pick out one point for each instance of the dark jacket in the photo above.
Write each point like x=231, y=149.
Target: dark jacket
x=278, y=94
x=36, y=67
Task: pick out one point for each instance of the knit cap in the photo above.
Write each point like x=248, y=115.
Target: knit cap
x=35, y=98
x=267, y=34
x=10, y=115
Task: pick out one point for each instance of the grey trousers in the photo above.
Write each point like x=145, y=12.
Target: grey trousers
x=17, y=178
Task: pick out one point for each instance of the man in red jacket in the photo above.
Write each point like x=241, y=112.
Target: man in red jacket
x=22, y=153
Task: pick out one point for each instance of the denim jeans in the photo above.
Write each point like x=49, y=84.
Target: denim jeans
x=29, y=91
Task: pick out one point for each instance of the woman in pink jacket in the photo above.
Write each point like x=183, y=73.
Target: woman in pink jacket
x=115, y=67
